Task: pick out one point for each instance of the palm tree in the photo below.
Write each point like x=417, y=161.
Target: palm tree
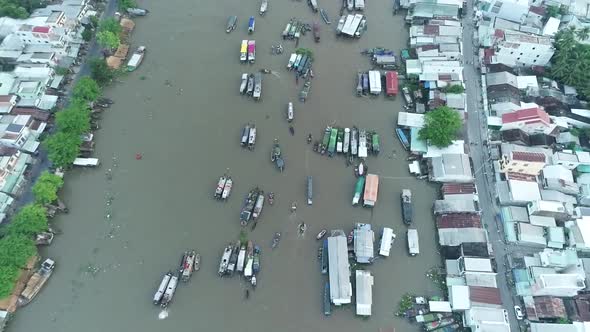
x=583, y=33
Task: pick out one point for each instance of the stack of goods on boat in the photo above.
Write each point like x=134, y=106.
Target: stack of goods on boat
x=248, y=51
x=251, y=85
x=190, y=262
x=36, y=282
x=352, y=142
x=352, y=25
x=300, y=62
x=382, y=57
x=241, y=257
x=252, y=207
x=406, y=198
x=295, y=29
x=224, y=187
x=352, y=5
x=248, y=139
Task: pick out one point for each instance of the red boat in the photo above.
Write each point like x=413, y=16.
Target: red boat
x=391, y=83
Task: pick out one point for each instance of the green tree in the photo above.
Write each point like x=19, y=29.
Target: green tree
x=74, y=119
x=87, y=34
x=15, y=250
x=455, y=88
x=86, y=89
x=100, y=71
x=441, y=126
x=29, y=220
x=552, y=11
x=125, y=4
x=62, y=71
x=583, y=33
x=8, y=276
x=107, y=39
x=12, y=10
x=94, y=21
x=46, y=187
x=571, y=60
x=111, y=25
x=63, y=148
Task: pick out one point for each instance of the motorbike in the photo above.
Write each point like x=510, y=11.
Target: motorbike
x=309, y=138
x=292, y=130
x=271, y=198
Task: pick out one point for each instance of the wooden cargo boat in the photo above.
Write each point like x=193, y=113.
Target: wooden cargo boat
x=36, y=282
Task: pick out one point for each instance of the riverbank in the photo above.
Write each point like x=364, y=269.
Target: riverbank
x=162, y=204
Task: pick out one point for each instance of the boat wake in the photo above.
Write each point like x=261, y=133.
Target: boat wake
x=275, y=74
x=163, y=314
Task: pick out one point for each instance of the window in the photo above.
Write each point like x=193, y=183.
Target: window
x=520, y=53
x=511, y=52
x=534, y=61
x=538, y=55
x=520, y=170
x=533, y=48
x=517, y=59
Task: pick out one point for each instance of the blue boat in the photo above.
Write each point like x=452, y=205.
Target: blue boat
x=403, y=138
x=327, y=304
x=325, y=257
x=251, y=24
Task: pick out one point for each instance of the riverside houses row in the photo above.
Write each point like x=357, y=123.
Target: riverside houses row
x=541, y=162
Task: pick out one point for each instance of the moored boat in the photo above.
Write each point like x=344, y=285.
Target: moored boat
x=251, y=137
x=245, y=134
x=406, y=206
x=136, y=58
x=263, y=7
x=275, y=240
x=197, y=262
x=250, y=87
x=162, y=288
x=313, y=4
x=258, y=206
x=233, y=259
x=290, y=112
x=244, y=51
x=403, y=138
x=354, y=141
x=346, y=145
x=332, y=144
x=362, y=151
x=257, y=86
x=321, y=234
x=188, y=264
x=324, y=261
x=169, y=292
x=36, y=282
x=324, y=15
x=223, y=264
x=227, y=188
x=251, y=51
x=44, y=238
x=326, y=139
x=326, y=297
x=350, y=5
x=361, y=169
x=244, y=83
x=231, y=23
x=256, y=262
x=340, y=25
x=339, y=140
x=375, y=143
x=241, y=258
x=249, y=202
x=249, y=260
x=220, y=186
x=358, y=190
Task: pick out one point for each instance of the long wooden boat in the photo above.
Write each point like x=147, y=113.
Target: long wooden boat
x=231, y=23
x=332, y=144
x=36, y=282
x=326, y=139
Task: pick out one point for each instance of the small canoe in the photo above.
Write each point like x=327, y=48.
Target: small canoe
x=324, y=15
x=231, y=23
x=321, y=234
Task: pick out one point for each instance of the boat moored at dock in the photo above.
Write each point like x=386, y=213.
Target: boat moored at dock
x=387, y=238
x=224, y=263
x=251, y=137
x=346, y=145
x=248, y=207
x=162, y=288
x=258, y=205
x=136, y=58
x=332, y=144
x=327, y=302
x=233, y=259
x=326, y=139
x=339, y=140
x=36, y=282
x=362, y=149
x=354, y=141
x=407, y=206
x=241, y=258
x=251, y=51
x=232, y=21
x=250, y=86
x=187, y=265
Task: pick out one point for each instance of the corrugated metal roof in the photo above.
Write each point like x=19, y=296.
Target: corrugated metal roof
x=486, y=295
x=458, y=220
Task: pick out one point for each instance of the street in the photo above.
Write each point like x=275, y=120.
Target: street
x=477, y=134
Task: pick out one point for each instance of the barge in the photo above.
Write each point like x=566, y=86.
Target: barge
x=36, y=282
x=406, y=206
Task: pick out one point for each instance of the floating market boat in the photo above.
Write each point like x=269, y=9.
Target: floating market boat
x=309, y=190
x=340, y=25
x=316, y=32
x=223, y=264
x=321, y=234
x=251, y=51
x=36, y=282
x=220, y=186
x=244, y=83
x=169, y=292
x=197, y=262
x=402, y=138
x=358, y=190
x=287, y=29
x=354, y=141
x=375, y=143
x=244, y=51
x=263, y=7
x=346, y=145
x=332, y=144
x=324, y=15
x=256, y=262
x=250, y=87
x=324, y=261
x=365, y=83
x=326, y=139
x=413, y=244
x=249, y=202
x=292, y=60
x=187, y=265
x=254, y=281
x=327, y=303
x=275, y=240
x=290, y=112
x=362, y=144
x=257, y=86
x=232, y=21
x=339, y=140
x=162, y=288
x=251, y=24
x=136, y=58
x=251, y=137
x=350, y=5
x=305, y=91
x=407, y=206
x=249, y=260
x=276, y=151
x=227, y=188
x=241, y=258
x=361, y=169
x=233, y=259
x=258, y=206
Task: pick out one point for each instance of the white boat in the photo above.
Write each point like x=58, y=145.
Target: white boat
x=253, y=281
x=292, y=59
x=86, y=162
x=257, y=86
x=361, y=169
x=258, y=206
x=188, y=264
x=350, y=5
x=413, y=244
x=387, y=239
x=197, y=262
x=252, y=137
x=346, y=140
x=244, y=83
x=263, y=7
x=227, y=188
x=162, y=288
x=354, y=142
x=241, y=259
x=341, y=23
x=362, y=151
x=220, y=186
x=225, y=260
x=169, y=292
x=136, y=58
x=290, y=112
x=248, y=267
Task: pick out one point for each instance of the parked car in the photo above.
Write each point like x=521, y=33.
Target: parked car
x=518, y=312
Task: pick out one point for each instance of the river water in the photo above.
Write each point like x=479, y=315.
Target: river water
x=182, y=111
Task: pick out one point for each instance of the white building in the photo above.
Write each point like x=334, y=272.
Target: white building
x=339, y=270
x=364, y=293
x=519, y=49
x=560, y=285
x=512, y=10
x=483, y=319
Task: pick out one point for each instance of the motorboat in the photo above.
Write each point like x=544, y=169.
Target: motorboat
x=245, y=135
x=271, y=198
x=220, y=186
x=276, y=151
x=248, y=207
x=253, y=281
x=231, y=23
x=227, y=188
x=275, y=240
x=223, y=264
x=251, y=25
x=361, y=169
x=406, y=198
x=256, y=262
x=350, y=5
x=136, y=58
x=241, y=258
x=252, y=137
x=341, y=23
x=324, y=15
x=258, y=205
x=162, y=288
x=263, y=7
x=257, y=86
x=290, y=112
x=169, y=292
x=187, y=265
x=244, y=83
x=233, y=259
x=197, y=263
x=346, y=144
x=321, y=234
x=250, y=87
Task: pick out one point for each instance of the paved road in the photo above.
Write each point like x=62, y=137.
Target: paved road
x=42, y=162
x=477, y=134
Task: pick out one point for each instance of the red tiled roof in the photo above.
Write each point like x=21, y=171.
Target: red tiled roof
x=529, y=156
x=458, y=188
x=499, y=33
x=458, y=220
x=41, y=29
x=488, y=53
x=428, y=47
x=537, y=10
x=549, y=307
x=521, y=177
x=527, y=115
x=6, y=98
x=487, y=295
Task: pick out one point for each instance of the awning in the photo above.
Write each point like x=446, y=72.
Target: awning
x=48, y=102
x=56, y=81
x=31, y=145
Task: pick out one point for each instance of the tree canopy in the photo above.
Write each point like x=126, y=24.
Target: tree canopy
x=74, y=119
x=100, y=71
x=441, y=126
x=63, y=148
x=46, y=187
x=455, y=88
x=86, y=89
x=571, y=61
x=107, y=39
x=15, y=250
x=29, y=220
x=8, y=275
x=18, y=8
x=125, y=4
x=111, y=25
